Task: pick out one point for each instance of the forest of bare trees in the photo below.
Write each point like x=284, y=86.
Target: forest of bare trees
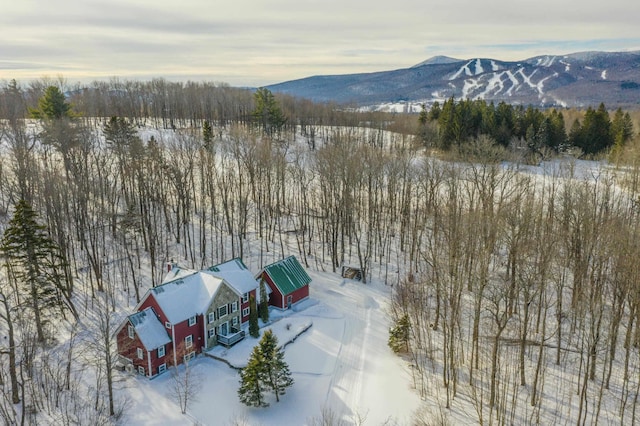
x=520, y=288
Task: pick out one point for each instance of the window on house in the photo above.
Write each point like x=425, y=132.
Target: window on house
x=141, y=371
x=189, y=356
x=192, y=321
x=188, y=341
x=162, y=368
x=246, y=312
x=167, y=324
x=234, y=321
x=211, y=318
x=245, y=298
x=234, y=306
x=140, y=353
x=222, y=311
x=160, y=351
x=131, y=332
x=211, y=332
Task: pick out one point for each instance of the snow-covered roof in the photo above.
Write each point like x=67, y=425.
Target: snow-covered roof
x=149, y=329
x=236, y=274
x=187, y=293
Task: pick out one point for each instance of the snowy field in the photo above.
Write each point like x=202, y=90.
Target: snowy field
x=341, y=364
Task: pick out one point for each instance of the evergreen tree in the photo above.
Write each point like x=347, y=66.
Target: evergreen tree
x=263, y=307
x=252, y=380
x=276, y=370
x=621, y=127
x=33, y=259
x=119, y=134
x=254, y=328
x=267, y=113
x=399, y=334
x=207, y=135
x=52, y=105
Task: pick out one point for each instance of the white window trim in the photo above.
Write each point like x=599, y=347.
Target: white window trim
x=161, y=349
x=234, y=306
x=141, y=370
x=211, y=317
x=140, y=353
x=188, y=341
x=167, y=324
x=245, y=297
x=131, y=332
x=246, y=312
x=192, y=321
x=189, y=356
x=162, y=368
x=234, y=321
x=211, y=333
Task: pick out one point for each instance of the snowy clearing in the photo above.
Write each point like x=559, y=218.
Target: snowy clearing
x=341, y=362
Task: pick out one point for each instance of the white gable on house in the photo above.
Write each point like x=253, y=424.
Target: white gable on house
x=236, y=274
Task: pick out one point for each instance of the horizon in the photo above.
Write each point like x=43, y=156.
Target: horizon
x=253, y=44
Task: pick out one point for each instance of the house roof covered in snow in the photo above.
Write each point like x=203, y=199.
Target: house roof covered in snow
x=149, y=329
x=186, y=293
x=236, y=274
x=288, y=275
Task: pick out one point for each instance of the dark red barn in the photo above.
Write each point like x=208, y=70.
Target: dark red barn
x=288, y=281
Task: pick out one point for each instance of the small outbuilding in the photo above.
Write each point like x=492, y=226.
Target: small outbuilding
x=288, y=281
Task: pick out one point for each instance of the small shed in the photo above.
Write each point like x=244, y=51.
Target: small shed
x=288, y=281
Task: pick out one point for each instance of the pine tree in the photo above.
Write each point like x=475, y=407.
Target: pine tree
x=399, y=334
x=119, y=134
x=52, y=105
x=252, y=383
x=266, y=370
x=276, y=370
x=263, y=307
x=207, y=135
x=254, y=328
x=267, y=112
x=34, y=259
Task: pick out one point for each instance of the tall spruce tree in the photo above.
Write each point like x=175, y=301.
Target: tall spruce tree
x=276, y=370
x=254, y=327
x=252, y=380
x=35, y=265
x=52, y=105
x=263, y=307
x=267, y=113
x=207, y=136
x=266, y=370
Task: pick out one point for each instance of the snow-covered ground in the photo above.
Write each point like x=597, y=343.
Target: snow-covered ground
x=340, y=364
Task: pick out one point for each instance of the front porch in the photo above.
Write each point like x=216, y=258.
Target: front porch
x=231, y=338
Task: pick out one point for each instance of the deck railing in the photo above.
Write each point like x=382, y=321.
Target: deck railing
x=232, y=338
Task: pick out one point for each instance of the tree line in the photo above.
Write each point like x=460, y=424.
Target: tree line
x=456, y=122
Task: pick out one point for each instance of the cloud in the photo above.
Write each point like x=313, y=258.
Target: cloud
x=255, y=42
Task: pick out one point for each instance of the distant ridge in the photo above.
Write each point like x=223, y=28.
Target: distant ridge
x=436, y=60
x=574, y=80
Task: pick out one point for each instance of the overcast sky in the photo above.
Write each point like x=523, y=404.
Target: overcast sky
x=259, y=42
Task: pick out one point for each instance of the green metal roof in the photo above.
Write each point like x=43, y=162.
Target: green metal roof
x=288, y=275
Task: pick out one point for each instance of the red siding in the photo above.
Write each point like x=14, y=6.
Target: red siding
x=279, y=300
x=128, y=348
x=246, y=304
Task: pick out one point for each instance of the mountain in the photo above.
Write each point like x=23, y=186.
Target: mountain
x=573, y=80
